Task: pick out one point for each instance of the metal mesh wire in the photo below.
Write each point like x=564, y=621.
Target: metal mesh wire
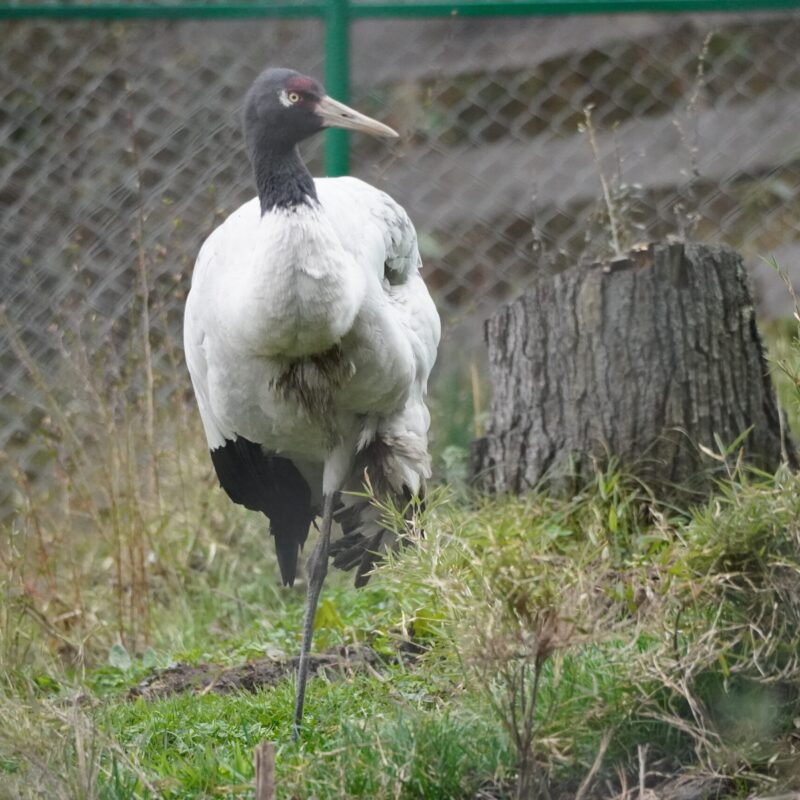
x=120, y=150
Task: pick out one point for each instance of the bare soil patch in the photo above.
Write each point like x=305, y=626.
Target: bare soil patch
x=263, y=672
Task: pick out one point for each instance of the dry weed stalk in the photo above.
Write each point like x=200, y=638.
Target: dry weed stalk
x=93, y=506
x=64, y=752
x=588, y=128
x=530, y=614
x=731, y=635
x=93, y=512
x=98, y=464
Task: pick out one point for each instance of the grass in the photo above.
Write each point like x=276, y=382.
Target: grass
x=366, y=741
x=669, y=629
x=598, y=640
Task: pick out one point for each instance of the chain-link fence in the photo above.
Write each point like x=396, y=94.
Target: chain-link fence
x=120, y=150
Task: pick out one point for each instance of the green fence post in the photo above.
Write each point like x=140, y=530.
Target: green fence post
x=337, y=81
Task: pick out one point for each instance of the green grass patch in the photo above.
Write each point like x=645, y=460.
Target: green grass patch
x=364, y=738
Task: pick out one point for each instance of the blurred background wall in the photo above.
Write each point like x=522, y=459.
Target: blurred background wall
x=120, y=150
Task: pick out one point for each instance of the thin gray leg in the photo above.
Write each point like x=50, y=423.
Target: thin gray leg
x=316, y=569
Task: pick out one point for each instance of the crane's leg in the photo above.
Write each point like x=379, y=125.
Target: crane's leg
x=316, y=569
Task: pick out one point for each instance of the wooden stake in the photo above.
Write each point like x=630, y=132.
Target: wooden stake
x=265, y=771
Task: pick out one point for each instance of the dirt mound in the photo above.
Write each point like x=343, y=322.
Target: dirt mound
x=204, y=678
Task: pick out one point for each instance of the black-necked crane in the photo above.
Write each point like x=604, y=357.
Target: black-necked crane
x=309, y=336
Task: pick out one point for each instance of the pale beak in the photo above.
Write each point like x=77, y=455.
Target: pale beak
x=337, y=115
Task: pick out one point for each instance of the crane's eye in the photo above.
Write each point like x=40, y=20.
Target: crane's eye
x=293, y=97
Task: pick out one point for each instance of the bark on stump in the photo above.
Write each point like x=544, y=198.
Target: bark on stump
x=643, y=359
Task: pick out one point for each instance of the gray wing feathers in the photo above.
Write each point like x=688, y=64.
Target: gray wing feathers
x=395, y=459
x=400, y=240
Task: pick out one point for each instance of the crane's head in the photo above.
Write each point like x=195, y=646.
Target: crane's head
x=284, y=107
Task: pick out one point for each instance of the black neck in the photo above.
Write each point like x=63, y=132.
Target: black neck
x=282, y=179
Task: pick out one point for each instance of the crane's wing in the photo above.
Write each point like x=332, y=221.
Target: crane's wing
x=372, y=227
x=251, y=476
x=395, y=457
x=393, y=448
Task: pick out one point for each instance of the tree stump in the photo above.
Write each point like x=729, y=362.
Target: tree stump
x=645, y=359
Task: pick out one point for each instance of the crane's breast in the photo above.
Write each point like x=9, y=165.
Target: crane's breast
x=289, y=290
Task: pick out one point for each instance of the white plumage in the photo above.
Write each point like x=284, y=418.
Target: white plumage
x=292, y=284
x=310, y=336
